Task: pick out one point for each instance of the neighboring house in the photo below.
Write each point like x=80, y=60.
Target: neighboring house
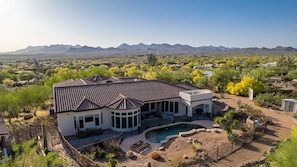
x=198, y=67
x=286, y=87
x=270, y=64
x=208, y=65
x=121, y=104
x=208, y=73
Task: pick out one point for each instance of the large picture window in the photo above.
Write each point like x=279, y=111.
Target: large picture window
x=124, y=120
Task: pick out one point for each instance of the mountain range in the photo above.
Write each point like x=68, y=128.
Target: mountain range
x=139, y=49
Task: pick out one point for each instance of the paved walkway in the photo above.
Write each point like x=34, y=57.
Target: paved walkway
x=127, y=142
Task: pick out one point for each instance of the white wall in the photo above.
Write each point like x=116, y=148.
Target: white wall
x=66, y=121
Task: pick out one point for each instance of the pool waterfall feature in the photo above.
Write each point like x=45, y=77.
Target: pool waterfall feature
x=162, y=134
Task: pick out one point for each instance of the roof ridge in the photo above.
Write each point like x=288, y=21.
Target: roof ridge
x=124, y=100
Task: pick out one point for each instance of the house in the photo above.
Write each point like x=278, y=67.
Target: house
x=269, y=64
x=120, y=104
x=208, y=73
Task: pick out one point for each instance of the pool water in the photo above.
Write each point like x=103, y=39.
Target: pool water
x=157, y=135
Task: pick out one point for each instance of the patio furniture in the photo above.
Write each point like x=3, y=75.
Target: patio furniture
x=136, y=145
x=143, y=148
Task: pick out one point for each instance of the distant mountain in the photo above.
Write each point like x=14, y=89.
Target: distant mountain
x=140, y=49
x=52, y=49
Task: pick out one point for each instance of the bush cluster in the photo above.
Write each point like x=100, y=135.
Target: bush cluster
x=273, y=100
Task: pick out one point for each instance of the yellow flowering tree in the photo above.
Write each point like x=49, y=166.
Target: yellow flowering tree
x=241, y=88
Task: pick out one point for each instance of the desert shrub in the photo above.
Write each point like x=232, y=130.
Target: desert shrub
x=185, y=157
x=269, y=100
x=195, y=146
x=231, y=136
x=295, y=116
x=114, y=147
x=155, y=155
x=91, y=155
x=269, y=121
x=99, y=152
x=244, y=128
x=28, y=116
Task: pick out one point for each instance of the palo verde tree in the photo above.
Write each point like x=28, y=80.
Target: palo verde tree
x=241, y=88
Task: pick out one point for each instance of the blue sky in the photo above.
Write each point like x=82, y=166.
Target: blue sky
x=109, y=23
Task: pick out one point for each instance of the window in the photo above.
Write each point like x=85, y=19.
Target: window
x=97, y=119
x=166, y=105
x=163, y=106
x=145, y=107
x=118, y=122
x=135, y=120
x=89, y=118
x=176, y=107
x=124, y=122
x=130, y=122
x=152, y=106
x=81, y=122
x=171, y=106
x=112, y=121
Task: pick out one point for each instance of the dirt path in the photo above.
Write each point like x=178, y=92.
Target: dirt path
x=255, y=150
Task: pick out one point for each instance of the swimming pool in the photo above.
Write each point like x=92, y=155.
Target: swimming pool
x=157, y=135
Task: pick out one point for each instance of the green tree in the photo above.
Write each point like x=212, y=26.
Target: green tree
x=151, y=59
x=229, y=121
x=286, y=63
x=202, y=82
x=26, y=76
x=222, y=76
x=292, y=74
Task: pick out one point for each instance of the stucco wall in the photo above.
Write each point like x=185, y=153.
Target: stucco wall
x=66, y=121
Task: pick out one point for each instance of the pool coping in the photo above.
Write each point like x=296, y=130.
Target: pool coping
x=127, y=142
